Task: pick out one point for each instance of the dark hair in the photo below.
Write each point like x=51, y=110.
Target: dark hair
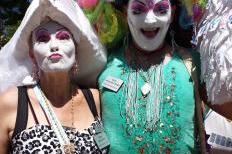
x=182, y=36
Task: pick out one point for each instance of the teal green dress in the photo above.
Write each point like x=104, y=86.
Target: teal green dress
x=174, y=131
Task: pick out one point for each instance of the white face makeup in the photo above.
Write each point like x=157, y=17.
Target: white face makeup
x=53, y=47
x=149, y=21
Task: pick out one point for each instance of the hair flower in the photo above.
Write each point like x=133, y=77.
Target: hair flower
x=87, y=4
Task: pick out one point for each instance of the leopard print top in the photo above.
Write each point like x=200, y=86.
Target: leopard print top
x=42, y=139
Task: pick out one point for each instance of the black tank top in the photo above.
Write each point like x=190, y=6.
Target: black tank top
x=41, y=138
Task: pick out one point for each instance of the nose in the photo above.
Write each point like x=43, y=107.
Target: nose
x=150, y=17
x=54, y=49
x=53, y=45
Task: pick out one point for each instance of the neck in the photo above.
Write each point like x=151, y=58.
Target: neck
x=160, y=49
x=146, y=59
x=56, y=87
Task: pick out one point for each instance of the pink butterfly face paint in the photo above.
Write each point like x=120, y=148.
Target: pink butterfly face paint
x=53, y=47
x=149, y=21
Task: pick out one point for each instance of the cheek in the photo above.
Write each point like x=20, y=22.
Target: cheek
x=136, y=20
x=68, y=48
x=165, y=21
x=41, y=49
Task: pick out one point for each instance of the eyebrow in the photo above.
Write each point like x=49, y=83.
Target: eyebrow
x=139, y=2
x=162, y=1
x=41, y=29
x=61, y=29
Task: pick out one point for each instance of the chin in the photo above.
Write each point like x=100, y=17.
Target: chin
x=53, y=70
x=56, y=68
x=148, y=45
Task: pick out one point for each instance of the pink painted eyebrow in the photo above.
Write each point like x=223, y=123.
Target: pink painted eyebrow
x=150, y=1
x=44, y=29
x=62, y=30
x=150, y=4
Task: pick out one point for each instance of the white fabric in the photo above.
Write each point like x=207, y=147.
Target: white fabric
x=15, y=64
x=215, y=46
x=217, y=124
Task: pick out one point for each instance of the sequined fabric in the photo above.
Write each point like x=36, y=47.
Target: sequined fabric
x=215, y=46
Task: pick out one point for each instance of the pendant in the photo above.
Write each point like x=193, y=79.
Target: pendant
x=69, y=148
x=145, y=89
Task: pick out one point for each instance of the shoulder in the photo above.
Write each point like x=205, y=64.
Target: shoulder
x=116, y=53
x=8, y=100
x=185, y=52
x=190, y=55
x=8, y=111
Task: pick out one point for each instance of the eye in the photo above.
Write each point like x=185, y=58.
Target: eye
x=42, y=36
x=138, y=8
x=161, y=8
x=137, y=11
x=63, y=35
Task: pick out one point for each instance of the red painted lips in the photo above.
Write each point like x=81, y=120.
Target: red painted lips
x=55, y=56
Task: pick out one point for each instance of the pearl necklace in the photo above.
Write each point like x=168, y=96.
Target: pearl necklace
x=66, y=145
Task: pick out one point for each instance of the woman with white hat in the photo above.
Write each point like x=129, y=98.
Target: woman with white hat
x=53, y=53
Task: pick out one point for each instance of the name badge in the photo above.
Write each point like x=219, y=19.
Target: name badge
x=112, y=83
x=100, y=138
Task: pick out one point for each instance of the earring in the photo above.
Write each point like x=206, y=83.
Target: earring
x=35, y=72
x=174, y=45
x=75, y=68
x=126, y=40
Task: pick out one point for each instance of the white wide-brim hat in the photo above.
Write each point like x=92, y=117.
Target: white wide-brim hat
x=15, y=63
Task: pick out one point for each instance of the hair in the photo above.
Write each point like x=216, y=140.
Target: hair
x=178, y=27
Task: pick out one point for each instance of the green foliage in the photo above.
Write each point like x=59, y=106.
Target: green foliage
x=11, y=13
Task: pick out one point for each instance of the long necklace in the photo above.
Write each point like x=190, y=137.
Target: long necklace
x=151, y=89
x=152, y=96
x=66, y=145
x=150, y=119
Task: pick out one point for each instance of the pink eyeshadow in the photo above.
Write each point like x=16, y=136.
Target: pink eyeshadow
x=138, y=6
x=63, y=34
x=42, y=35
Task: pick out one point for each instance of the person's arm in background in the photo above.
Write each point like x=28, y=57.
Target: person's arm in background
x=224, y=109
x=8, y=110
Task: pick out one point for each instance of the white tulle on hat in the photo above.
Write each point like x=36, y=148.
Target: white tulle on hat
x=215, y=46
x=15, y=63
